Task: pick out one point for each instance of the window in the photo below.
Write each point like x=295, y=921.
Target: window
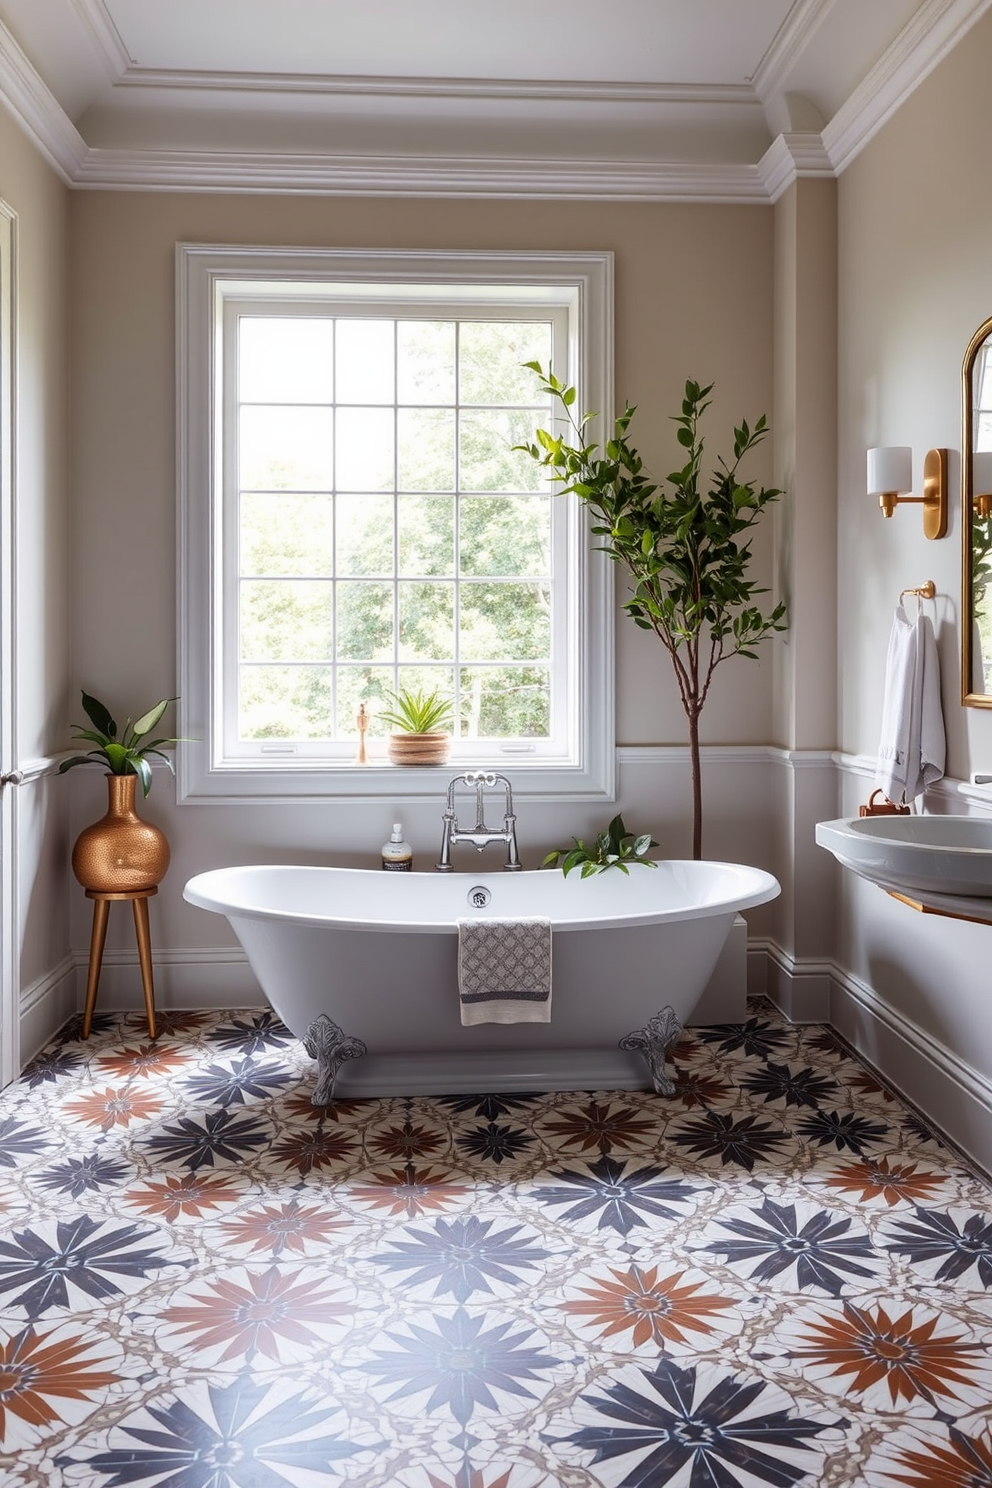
x=354, y=520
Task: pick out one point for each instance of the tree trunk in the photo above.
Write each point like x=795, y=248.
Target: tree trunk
x=697, y=792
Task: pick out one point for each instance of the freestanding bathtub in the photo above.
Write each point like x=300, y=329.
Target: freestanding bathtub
x=372, y=957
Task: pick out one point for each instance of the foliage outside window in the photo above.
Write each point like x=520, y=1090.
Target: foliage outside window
x=387, y=534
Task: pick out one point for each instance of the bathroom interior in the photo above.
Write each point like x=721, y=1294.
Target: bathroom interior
x=826, y=262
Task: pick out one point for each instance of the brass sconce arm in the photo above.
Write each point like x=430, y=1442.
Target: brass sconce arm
x=981, y=484
x=934, y=498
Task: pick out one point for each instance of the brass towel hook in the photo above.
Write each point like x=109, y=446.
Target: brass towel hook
x=923, y=591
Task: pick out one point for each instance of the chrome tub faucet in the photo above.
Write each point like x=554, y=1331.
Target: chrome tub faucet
x=480, y=835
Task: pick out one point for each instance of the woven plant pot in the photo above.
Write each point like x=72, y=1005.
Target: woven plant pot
x=120, y=853
x=419, y=749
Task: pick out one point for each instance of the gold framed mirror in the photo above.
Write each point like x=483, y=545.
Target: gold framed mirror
x=976, y=520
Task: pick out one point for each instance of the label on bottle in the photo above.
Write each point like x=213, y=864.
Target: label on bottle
x=398, y=865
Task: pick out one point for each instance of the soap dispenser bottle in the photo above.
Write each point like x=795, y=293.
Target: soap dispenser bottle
x=397, y=855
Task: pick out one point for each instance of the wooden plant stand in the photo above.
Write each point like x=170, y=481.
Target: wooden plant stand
x=101, y=913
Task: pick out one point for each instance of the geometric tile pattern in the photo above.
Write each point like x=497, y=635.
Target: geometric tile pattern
x=778, y=1275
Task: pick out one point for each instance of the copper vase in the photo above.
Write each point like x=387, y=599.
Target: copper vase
x=120, y=853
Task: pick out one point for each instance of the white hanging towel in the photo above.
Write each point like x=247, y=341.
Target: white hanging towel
x=911, y=747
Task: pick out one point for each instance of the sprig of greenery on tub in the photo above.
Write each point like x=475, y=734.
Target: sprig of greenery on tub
x=124, y=752
x=614, y=848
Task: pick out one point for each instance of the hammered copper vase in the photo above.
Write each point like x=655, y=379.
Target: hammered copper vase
x=120, y=853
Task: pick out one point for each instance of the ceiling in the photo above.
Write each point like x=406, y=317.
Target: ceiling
x=651, y=99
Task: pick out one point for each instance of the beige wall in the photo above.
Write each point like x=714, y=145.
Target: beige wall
x=693, y=299
x=915, y=282
x=33, y=191
x=742, y=296
x=805, y=433
x=915, y=255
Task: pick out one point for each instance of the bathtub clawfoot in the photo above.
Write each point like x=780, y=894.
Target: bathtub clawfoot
x=654, y=1041
x=330, y=1046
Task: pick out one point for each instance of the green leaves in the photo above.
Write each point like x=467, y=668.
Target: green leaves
x=418, y=712
x=148, y=720
x=98, y=716
x=614, y=848
x=124, y=755
x=685, y=548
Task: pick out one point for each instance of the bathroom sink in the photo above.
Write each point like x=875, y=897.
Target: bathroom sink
x=922, y=854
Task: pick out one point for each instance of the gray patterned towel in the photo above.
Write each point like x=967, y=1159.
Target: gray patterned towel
x=504, y=971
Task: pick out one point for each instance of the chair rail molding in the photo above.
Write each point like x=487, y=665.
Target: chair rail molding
x=950, y=787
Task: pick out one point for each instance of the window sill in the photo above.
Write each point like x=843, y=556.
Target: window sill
x=305, y=784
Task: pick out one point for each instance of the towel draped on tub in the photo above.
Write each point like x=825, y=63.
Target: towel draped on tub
x=504, y=971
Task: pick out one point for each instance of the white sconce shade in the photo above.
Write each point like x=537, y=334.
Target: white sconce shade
x=890, y=475
x=890, y=469
x=981, y=473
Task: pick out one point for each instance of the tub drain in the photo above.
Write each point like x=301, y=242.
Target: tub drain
x=479, y=897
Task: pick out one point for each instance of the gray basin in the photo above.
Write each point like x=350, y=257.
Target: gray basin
x=925, y=854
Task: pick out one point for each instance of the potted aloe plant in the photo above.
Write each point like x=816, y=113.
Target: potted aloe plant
x=421, y=723
x=121, y=853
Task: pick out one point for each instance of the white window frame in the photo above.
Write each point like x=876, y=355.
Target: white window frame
x=207, y=276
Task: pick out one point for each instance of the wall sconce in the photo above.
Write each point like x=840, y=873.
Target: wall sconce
x=890, y=474
x=981, y=483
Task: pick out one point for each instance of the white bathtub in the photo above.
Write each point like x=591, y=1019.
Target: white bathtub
x=377, y=953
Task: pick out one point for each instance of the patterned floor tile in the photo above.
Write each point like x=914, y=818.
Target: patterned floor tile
x=779, y=1275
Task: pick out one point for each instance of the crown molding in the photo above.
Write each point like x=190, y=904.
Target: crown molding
x=37, y=111
x=790, y=156
x=107, y=40
x=934, y=30
x=788, y=44
x=551, y=90
x=437, y=176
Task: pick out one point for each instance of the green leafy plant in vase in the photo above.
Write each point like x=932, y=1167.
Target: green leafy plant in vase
x=124, y=751
x=614, y=848
x=121, y=853
x=421, y=723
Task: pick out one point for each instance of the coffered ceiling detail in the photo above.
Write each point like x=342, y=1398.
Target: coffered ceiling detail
x=695, y=100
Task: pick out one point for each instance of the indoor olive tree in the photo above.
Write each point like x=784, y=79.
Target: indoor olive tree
x=682, y=547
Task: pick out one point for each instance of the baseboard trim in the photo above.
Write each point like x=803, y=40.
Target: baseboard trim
x=916, y=1064
x=801, y=990
x=221, y=977
x=45, y=1004
x=953, y=1096
x=919, y=1066
x=207, y=977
